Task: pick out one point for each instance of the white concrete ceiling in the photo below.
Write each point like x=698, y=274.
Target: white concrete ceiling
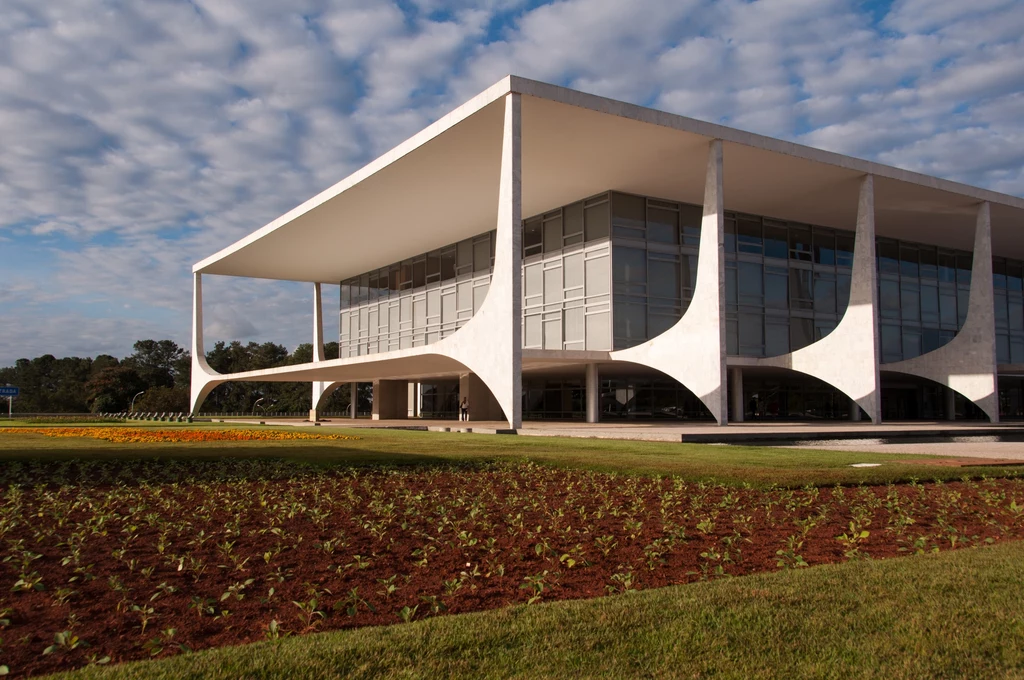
x=441, y=186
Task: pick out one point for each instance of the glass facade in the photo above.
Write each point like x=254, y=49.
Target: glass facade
x=417, y=301
x=1009, y=312
x=614, y=270
x=923, y=293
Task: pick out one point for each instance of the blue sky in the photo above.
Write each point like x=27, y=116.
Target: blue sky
x=137, y=138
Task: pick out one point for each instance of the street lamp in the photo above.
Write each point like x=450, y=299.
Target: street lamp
x=257, y=404
x=131, y=409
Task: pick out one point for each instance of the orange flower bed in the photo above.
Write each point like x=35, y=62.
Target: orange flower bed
x=135, y=435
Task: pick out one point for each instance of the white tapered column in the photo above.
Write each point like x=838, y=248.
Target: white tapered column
x=967, y=363
x=693, y=350
x=593, y=388
x=203, y=380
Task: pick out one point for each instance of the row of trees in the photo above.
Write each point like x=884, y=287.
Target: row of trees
x=162, y=372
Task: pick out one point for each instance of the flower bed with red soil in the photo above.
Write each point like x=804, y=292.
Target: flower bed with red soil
x=106, y=562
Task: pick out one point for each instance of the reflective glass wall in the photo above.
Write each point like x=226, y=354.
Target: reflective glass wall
x=922, y=297
x=1009, y=310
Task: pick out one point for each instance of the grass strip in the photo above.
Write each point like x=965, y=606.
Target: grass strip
x=956, y=614
x=734, y=465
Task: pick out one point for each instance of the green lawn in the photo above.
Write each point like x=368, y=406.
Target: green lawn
x=755, y=465
x=951, y=615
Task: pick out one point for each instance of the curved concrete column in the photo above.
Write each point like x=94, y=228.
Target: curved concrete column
x=204, y=378
x=967, y=363
x=693, y=350
x=847, y=358
x=321, y=389
x=491, y=343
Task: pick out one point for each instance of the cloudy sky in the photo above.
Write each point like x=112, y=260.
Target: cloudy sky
x=139, y=136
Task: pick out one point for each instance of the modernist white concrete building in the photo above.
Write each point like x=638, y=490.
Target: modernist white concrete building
x=552, y=254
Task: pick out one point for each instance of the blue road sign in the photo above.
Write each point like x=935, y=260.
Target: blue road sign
x=9, y=391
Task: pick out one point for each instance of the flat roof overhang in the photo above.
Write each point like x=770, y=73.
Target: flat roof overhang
x=441, y=185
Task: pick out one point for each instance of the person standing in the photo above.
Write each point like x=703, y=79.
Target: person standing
x=464, y=409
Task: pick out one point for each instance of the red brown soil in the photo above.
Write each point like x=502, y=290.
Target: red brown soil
x=450, y=540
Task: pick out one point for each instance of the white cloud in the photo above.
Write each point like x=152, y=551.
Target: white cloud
x=140, y=138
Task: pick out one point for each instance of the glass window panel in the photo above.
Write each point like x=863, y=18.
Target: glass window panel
x=751, y=334
x=664, y=279
x=596, y=222
x=930, y=340
x=434, y=266
x=419, y=273
x=662, y=225
x=999, y=273
x=929, y=263
x=1016, y=313
x=963, y=300
x=911, y=343
x=947, y=267
x=479, y=293
x=776, y=337
x=629, y=211
x=597, y=276
x=661, y=322
x=364, y=288
x=776, y=242
x=730, y=235
x=801, y=333
x=532, y=331
x=1002, y=348
x=464, y=259
x=963, y=269
x=750, y=278
x=574, y=325
x=731, y=295
x=844, y=250
x=888, y=257
x=1000, y=305
x=532, y=236
x=824, y=246
x=842, y=292
x=690, y=218
x=482, y=255
x=732, y=337
x=572, y=266
x=630, y=319
x=689, y=275
x=947, y=308
x=892, y=344
x=800, y=289
x=447, y=264
x=552, y=286
x=910, y=302
x=533, y=280
x=552, y=235
x=599, y=334
x=630, y=265
x=395, y=278
x=908, y=261
x=748, y=232
x=929, y=304
x=776, y=288
x=1016, y=349
x=1013, y=275
x=373, y=287
x=824, y=293
x=800, y=243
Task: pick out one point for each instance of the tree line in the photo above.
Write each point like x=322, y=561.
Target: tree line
x=161, y=371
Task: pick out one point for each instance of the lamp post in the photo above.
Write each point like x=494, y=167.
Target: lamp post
x=256, y=404
x=131, y=409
